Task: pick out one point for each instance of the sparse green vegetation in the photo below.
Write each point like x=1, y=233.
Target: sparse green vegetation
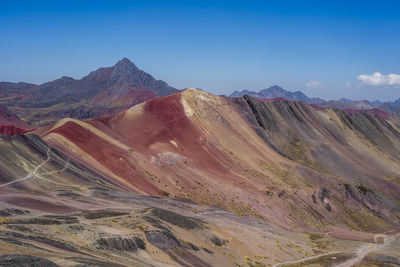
x=296, y=150
x=164, y=193
x=285, y=175
x=364, y=190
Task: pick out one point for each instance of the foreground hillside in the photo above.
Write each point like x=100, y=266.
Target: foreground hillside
x=56, y=212
x=194, y=179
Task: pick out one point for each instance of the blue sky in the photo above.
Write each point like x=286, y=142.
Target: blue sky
x=319, y=47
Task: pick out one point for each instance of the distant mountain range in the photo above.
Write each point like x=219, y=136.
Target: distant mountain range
x=343, y=103
x=278, y=92
x=113, y=89
x=104, y=91
x=391, y=107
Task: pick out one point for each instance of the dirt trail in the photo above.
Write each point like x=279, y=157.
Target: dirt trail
x=34, y=174
x=367, y=249
x=306, y=259
x=359, y=254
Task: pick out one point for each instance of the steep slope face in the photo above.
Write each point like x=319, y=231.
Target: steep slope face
x=374, y=112
x=11, y=124
x=278, y=92
x=360, y=151
x=197, y=145
x=102, y=92
x=349, y=132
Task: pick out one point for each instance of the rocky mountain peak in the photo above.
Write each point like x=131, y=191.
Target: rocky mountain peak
x=275, y=88
x=104, y=91
x=125, y=66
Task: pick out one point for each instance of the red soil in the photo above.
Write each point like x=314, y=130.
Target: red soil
x=171, y=115
x=108, y=154
x=148, y=133
x=11, y=124
x=12, y=130
x=164, y=119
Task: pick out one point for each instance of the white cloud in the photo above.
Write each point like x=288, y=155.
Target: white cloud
x=313, y=84
x=348, y=84
x=378, y=79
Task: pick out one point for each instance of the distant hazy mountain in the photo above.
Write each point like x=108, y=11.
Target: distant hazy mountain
x=278, y=92
x=11, y=90
x=376, y=103
x=348, y=104
x=102, y=92
x=391, y=107
x=344, y=103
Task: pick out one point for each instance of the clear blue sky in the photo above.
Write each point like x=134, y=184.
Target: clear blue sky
x=319, y=47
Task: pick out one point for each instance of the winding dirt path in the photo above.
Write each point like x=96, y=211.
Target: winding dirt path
x=369, y=248
x=306, y=259
x=359, y=254
x=33, y=173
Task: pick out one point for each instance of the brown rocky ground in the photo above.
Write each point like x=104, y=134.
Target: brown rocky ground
x=193, y=179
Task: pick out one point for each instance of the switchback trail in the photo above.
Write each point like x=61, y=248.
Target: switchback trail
x=367, y=249
x=306, y=259
x=359, y=254
x=33, y=173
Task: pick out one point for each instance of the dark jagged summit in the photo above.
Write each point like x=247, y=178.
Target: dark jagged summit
x=125, y=64
x=126, y=71
x=102, y=92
